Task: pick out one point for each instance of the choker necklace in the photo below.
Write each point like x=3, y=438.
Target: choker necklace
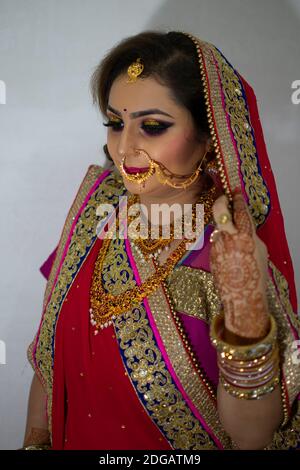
x=152, y=248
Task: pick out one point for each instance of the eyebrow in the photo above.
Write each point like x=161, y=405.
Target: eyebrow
x=140, y=113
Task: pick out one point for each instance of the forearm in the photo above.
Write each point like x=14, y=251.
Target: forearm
x=37, y=424
x=250, y=423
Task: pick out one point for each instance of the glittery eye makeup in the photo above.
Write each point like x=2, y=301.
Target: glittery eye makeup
x=149, y=126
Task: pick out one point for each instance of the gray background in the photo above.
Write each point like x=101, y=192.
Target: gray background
x=50, y=133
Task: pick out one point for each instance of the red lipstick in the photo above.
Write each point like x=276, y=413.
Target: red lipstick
x=134, y=169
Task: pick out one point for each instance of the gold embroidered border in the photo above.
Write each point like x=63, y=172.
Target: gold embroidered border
x=288, y=436
x=280, y=303
x=93, y=173
x=82, y=238
x=44, y=346
x=146, y=367
x=190, y=288
x=284, y=295
x=240, y=123
x=224, y=140
x=284, y=438
x=193, y=292
x=180, y=359
x=91, y=176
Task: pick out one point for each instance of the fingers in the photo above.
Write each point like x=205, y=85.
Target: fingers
x=242, y=219
x=241, y=215
x=222, y=215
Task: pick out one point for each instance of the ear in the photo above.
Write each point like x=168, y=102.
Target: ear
x=209, y=145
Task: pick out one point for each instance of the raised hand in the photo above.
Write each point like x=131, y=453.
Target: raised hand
x=238, y=260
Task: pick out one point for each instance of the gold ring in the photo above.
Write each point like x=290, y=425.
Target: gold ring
x=224, y=218
x=212, y=235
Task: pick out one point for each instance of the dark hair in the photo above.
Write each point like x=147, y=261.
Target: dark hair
x=171, y=58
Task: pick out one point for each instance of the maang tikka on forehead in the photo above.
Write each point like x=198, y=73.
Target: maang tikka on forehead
x=134, y=70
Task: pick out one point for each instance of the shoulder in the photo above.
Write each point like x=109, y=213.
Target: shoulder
x=94, y=176
x=93, y=172
x=99, y=173
x=85, y=187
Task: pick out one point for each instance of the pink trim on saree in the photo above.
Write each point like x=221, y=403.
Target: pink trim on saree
x=229, y=126
x=163, y=351
x=47, y=265
x=92, y=189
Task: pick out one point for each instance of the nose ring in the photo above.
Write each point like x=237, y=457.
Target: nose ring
x=139, y=177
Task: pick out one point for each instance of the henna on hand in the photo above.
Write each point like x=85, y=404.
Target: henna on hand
x=238, y=264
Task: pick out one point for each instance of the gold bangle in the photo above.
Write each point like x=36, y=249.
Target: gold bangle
x=250, y=372
x=245, y=352
x=251, y=364
x=244, y=380
x=250, y=394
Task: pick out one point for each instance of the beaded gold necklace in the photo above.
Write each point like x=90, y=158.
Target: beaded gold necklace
x=105, y=307
x=151, y=248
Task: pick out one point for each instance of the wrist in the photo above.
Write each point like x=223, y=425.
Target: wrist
x=247, y=371
x=244, y=321
x=235, y=339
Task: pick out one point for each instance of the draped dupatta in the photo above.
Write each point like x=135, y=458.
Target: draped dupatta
x=170, y=372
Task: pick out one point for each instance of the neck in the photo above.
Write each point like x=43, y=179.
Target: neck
x=180, y=197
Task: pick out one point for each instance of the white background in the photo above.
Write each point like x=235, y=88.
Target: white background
x=50, y=132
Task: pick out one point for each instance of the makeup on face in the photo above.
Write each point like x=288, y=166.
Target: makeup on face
x=151, y=127
x=169, y=148
x=137, y=114
x=132, y=170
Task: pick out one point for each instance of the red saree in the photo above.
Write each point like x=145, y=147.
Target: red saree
x=91, y=376
x=149, y=381
x=80, y=406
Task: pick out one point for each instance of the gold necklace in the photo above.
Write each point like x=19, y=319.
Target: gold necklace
x=149, y=247
x=105, y=307
x=152, y=248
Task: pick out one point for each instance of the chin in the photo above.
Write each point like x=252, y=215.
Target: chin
x=136, y=188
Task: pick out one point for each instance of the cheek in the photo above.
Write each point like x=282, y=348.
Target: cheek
x=176, y=152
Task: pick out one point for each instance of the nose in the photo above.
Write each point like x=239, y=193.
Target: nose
x=127, y=144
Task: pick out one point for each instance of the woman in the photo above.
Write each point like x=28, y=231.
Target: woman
x=143, y=342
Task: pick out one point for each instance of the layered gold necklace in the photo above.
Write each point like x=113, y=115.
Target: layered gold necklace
x=151, y=248
x=104, y=306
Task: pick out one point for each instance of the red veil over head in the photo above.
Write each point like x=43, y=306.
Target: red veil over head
x=242, y=155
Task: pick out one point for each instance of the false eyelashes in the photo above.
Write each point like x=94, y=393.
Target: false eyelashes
x=148, y=128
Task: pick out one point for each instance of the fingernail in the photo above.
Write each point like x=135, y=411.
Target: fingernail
x=236, y=191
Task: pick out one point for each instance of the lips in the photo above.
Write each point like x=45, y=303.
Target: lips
x=134, y=169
